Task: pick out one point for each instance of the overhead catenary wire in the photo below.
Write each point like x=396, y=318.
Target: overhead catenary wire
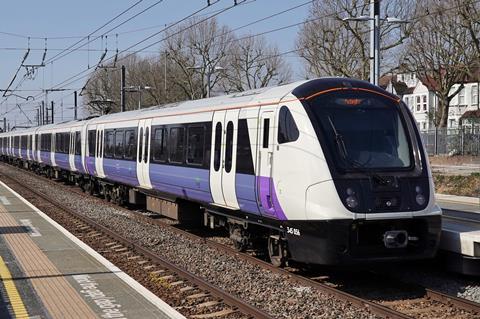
x=113, y=28
x=136, y=51
x=262, y=33
x=97, y=29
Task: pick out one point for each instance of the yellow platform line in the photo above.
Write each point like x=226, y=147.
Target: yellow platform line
x=15, y=300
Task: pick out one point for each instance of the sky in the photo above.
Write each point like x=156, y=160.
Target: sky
x=64, y=23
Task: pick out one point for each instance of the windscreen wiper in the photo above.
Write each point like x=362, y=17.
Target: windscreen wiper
x=353, y=163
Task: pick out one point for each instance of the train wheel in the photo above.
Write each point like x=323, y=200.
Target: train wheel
x=276, y=251
x=239, y=237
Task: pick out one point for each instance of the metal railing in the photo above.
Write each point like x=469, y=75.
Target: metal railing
x=452, y=141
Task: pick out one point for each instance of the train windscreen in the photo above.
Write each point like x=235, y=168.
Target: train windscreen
x=362, y=130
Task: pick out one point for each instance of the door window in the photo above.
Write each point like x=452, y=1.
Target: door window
x=140, y=145
x=266, y=131
x=147, y=143
x=229, y=147
x=218, y=144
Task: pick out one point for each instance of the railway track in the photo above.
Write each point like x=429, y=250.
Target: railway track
x=196, y=298
x=422, y=303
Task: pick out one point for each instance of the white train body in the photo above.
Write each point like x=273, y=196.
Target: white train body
x=332, y=169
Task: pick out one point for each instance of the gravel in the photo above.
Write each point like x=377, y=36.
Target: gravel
x=273, y=293
x=430, y=277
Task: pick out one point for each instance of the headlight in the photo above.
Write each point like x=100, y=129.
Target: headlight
x=420, y=199
x=351, y=199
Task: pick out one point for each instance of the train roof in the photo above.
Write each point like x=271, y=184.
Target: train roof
x=235, y=100
x=268, y=95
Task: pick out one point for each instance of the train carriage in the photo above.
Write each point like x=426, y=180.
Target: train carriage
x=324, y=171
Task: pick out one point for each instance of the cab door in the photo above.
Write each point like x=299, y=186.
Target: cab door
x=223, y=162
x=143, y=153
x=265, y=161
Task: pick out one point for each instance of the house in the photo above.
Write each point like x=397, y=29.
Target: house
x=419, y=95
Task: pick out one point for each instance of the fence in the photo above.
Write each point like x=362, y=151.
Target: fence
x=452, y=141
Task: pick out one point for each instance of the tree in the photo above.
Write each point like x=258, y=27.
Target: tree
x=104, y=84
x=440, y=52
x=197, y=48
x=331, y=46
x=253, y=64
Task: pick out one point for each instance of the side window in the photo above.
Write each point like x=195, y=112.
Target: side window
x=66, y=143
x=91, y=143
x=229, y=147
x=266, y=131
x=140, y=145
x=58, y=141
x=130, y=144
x=177, y=145
x=109, y=144
x=119, y=142
x=159, y=145
x=195, y=144
x=78, y=143
x=287, y=129
x=244, y=151
x=218, y=144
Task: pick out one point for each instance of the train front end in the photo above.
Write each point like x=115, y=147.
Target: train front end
x=379, y=203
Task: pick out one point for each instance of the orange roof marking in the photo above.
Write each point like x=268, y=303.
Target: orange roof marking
x=354, y=89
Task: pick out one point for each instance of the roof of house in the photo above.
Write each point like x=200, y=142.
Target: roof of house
x=400, y=87
x=471, y=115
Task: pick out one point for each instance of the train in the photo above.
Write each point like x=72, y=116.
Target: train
x=325, y=171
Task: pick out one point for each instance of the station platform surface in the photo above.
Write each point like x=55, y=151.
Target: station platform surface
x=48, y=273
x=461, y=233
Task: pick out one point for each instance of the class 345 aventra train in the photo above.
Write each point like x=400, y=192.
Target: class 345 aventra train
x=324, y=171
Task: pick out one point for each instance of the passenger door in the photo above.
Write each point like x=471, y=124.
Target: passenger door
x=223, y=161
x=143, y=153
x=99, y=150
x=71, y=153
x=265, y=161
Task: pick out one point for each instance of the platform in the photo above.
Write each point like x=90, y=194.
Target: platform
x=48, y=273
x=460, y=243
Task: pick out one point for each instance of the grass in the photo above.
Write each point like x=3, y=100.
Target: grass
x=458, y=185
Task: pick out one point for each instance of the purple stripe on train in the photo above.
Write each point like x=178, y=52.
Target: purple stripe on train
x=187, y=182
x=78, y=164
x=62, y=161
x=269, y=199
x=245, y=191
x=90, y=163
x=45, y=157
x=121, y=171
